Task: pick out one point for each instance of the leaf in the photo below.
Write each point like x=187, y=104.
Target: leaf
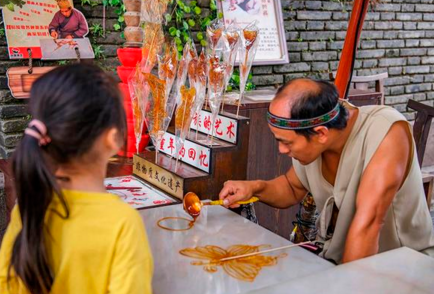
x=10, y=6
x=220, y=15
x=191, y=23
x=197, y=10
x=207, y=21
x=178, y=33
x=200, y=36
x=168, y=17
x=203, y=43
x=121, y=18
x=236, y=79
x=172, y=31
x=117, y=27
x=178, y=41
x=185, y=25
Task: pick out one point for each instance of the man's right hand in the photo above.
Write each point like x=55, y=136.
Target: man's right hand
x=54, y=34
x=234, y=191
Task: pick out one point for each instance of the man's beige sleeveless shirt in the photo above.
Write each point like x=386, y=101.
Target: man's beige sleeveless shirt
x=407, y=223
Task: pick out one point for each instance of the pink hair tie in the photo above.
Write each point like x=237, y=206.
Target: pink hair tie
x=41, y=134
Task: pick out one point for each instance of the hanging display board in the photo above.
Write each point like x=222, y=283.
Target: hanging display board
x=41, y=19
x=272, y=46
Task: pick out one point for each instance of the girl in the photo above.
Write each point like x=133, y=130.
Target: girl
x=67, y=234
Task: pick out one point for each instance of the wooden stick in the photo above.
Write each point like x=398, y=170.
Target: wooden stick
x=238, y=107
x=264, y=251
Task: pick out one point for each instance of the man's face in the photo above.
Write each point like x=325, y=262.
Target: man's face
x=297, y=146
x=66, y=12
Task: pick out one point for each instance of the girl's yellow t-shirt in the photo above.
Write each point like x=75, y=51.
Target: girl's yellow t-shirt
x=101, y=247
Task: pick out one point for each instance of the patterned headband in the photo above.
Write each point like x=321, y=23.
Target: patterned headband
x=300, y=124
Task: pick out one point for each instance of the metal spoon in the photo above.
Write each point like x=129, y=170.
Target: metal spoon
x=193, y=205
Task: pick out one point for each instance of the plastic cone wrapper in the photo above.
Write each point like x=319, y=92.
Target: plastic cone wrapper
x=159, y=108
x=217, y=75
x=139, y=92
x=181, y=76
x=167, y=64
x=249, y=45
x=232, y=35
x=214, y=32
x=198, y=72
x=183, y=116
x=153, y=41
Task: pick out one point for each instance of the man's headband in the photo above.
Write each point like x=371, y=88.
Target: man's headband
x=300, y=124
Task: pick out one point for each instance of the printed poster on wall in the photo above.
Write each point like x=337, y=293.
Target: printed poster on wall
x=38, y=20
x=272, y=44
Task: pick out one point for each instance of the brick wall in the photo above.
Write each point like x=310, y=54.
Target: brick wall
x=398, y=37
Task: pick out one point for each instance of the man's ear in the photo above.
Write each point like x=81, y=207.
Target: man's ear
x=322, y=134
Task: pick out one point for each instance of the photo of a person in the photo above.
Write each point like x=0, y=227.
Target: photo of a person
x=68, y=22
x=249, y=6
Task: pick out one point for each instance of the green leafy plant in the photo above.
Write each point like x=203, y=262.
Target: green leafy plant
x=234, y=82
x=89, y=2
x=99, y=52
x=188, y=16
x=96, y=30
x=119, y=10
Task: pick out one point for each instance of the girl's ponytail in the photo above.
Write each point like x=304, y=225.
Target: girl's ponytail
x=35, y=183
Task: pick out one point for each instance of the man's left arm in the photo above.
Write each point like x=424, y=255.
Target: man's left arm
x=380, y=182
x=83, y=29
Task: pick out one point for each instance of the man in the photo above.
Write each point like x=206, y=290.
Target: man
x=68, y=23
x=360, y=165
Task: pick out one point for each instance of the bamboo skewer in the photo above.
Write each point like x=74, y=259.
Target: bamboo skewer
x=264, y=251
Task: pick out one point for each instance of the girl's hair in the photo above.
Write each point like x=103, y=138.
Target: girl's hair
x=77, y=103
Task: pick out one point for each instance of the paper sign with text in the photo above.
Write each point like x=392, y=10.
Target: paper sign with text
x=193, y=154
x=225, y=128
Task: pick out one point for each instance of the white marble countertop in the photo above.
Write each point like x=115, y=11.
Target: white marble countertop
x=174, y=273
x=400, y=271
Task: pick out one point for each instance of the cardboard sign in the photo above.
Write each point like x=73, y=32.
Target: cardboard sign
x=193, y=154
x=66, y=49
x=225, y=128
x=35, y=20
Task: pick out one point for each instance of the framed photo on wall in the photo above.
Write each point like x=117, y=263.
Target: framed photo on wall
x=272, y=45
